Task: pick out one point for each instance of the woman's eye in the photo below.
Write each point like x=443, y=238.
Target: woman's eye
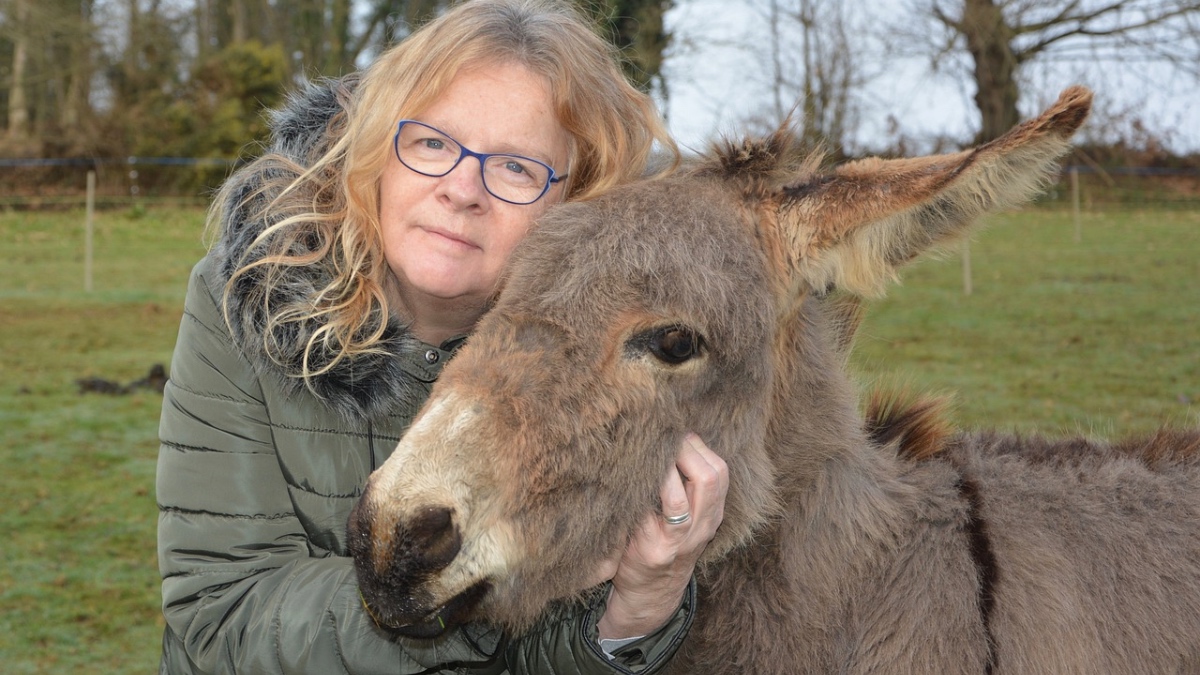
x=434, y=143
x=512, y=171
x=674, y=345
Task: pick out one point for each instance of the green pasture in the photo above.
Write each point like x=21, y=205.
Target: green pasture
x=1099, y=337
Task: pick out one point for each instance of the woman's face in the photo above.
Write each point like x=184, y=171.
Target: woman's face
x=446, y=239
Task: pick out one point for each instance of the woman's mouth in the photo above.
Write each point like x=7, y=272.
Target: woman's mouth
x=456, y=240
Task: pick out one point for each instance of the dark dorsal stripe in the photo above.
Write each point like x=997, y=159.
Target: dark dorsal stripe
x=917, y=428
x=980, y=546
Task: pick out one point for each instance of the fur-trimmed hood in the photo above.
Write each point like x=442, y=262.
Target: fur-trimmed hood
x=362, y=387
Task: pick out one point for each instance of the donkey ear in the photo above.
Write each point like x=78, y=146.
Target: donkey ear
x=852, y=229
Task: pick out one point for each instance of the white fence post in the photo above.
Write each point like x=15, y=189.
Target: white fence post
x=88, y=228
x=1075, y=204
x=966, y=267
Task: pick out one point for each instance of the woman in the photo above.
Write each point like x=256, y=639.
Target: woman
x=351, y=261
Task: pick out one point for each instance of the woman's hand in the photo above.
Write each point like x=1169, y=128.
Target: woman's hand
x=652, y=575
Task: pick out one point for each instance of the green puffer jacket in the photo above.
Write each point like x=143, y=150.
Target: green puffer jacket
x=258, y=472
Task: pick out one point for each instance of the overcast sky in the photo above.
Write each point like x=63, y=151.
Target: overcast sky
x=717, y=80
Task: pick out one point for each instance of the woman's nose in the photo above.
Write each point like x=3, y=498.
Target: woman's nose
x=464, y=187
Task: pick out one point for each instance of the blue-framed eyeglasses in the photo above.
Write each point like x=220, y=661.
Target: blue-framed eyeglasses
x=509, y=178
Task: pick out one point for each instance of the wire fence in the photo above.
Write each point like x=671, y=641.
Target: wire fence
x=115, y=182
x=191, y=181
x=132, y=188
x=1094, y=187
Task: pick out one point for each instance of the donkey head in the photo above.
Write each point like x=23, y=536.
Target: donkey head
x=691, y=303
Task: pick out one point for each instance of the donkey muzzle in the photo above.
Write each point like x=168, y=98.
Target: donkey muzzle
x=395, y=566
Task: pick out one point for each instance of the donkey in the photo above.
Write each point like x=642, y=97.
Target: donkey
x=852, y=542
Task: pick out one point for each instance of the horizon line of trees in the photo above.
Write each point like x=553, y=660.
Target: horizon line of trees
x=191, y=78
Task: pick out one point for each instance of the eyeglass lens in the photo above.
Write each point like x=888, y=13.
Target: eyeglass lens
x=512, y=178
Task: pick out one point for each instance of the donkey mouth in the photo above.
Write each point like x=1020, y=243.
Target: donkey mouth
x=458, y=610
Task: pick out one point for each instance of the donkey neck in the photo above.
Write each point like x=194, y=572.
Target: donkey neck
x=814, y=418
x=781, y=603
x=784, y=594
x=838, y=481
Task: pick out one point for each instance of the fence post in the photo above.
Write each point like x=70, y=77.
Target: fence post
x=1075, y=204
x=966, y=267
x=88, y=228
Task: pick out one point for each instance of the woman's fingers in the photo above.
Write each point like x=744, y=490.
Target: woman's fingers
x=692, y=495
x=707, y=481
x=653, y=573
x=676, y=502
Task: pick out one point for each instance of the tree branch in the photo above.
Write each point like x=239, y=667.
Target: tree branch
x=1082, y=30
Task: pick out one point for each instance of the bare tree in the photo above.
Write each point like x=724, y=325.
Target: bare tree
x=48, y=73
x=76, y=53
x=1002, y=36
x=816, y=69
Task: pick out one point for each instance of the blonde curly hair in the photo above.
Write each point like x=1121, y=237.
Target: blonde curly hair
x=329, y=210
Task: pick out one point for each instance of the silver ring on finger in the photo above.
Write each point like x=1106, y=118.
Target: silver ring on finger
x=678, y=520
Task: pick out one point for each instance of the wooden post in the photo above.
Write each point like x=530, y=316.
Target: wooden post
x=89, y=226
x=1075, y=204
x=966, y=266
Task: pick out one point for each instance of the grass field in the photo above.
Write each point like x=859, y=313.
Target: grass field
x=78, y=582
x=1099, y=336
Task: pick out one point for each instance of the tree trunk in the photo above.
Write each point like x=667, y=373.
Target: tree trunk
x=814, y=88
x=989, y=41
x=338, y=60
x=238, y=16
x=75, y=108
x=18, y=110
x=777, y=83
x=128, y=90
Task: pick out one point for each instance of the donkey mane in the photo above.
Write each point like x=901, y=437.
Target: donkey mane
x=916, y=424
x=917, y=427
x=1164, y=450
x=773, y=161
x=1167, y=446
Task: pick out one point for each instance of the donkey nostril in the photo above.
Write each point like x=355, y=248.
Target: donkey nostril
x=434, y=536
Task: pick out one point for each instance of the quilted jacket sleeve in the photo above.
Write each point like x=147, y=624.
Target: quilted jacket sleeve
x=570, y=635
x=241, y=593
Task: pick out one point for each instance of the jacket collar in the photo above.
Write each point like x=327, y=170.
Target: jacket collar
x=393, y=380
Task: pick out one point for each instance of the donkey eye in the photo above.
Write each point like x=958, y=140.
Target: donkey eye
x=674, y=345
